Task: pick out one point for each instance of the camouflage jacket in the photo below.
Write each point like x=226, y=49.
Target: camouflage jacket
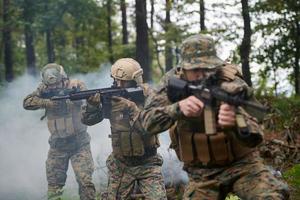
x=64, y=120
x=129, y=140
x=160, y=114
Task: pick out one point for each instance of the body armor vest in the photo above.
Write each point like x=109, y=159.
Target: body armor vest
x=65, y=121
x=198, y=141
x=129, y=142
x=194, y=146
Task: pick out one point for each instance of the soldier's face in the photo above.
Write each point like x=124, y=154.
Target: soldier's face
x=125, y=84
x=194, y=74
x=55, y=85
x=197, y=74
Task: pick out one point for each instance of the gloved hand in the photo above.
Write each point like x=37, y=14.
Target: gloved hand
x=120, y=104
x=47, y=103
x=94, y=100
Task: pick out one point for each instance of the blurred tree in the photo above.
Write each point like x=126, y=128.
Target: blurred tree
x=8, y=52
x=152, y=13
x=246, y=43
x=168, y=39
x=87, y=30
x=109, y=30
x=1, y=43
x=51, y=15
x=28, y=17
x=142, y=46
x=124, y=22
x=154, y=43
x=202, y=15
x=278, y=23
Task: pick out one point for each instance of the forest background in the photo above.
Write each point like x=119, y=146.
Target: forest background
x=86, y=36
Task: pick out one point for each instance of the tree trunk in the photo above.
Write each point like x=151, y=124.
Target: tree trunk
x=168, y=45
x=78, y=40
x=246, y=43
x=29, y=35
x=30, y=55
x=1, y=42
x=8, y=62
x=109, y=31
x=152, y=14
x=142, y=46
x=156, y=49
x=50, y=46
x=124, y=22
x=202, y=16
x=49, y=40
x=297, y=59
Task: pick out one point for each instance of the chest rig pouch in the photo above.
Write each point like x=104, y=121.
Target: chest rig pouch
x=125, y=141
x=194, y=146
x=128, y=142
x=60, y=121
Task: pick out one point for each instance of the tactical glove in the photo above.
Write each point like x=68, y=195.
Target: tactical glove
x=120, y=104
x=47, y=103
x=94, y=100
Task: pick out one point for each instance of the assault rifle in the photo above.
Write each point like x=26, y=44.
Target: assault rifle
x=208, y=92
x=49, y=93
x=134, y=94
x=55, y=92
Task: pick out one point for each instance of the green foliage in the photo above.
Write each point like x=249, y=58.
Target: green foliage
x=276, y=22
x=126, y=50
x=292, y=176
x=232, y=197
x=79, y=29
x=284, y=113
x=79, y=33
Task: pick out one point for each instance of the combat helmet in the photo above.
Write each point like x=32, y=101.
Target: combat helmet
x=198, y=51
x=127, y=69
x=53, y=73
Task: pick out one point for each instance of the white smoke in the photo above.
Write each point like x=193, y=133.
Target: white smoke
x=24, y=144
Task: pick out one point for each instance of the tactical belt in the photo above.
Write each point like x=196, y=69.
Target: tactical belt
x=139, y=160
x=69, y=143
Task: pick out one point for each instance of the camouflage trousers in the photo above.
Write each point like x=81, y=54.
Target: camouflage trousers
x=148, y=177
x=248, y=178
x=83, y=166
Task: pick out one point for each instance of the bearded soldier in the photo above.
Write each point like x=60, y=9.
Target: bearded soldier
x=134, y=159
x=69, y=140
x=216, y=144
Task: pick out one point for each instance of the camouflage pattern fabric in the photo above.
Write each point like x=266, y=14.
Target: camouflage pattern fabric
x=248, y=178
x=63, y=119
x=141, y=164
x=83, y=166
x=122, y=179
x=160, y=114
x=280, y=155
x=199, y=51
x=93, y=114
x=65, y=145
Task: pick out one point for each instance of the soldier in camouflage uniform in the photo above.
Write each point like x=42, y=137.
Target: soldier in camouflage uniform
x=134, y=160
x=69, y=139
x=206, y=139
